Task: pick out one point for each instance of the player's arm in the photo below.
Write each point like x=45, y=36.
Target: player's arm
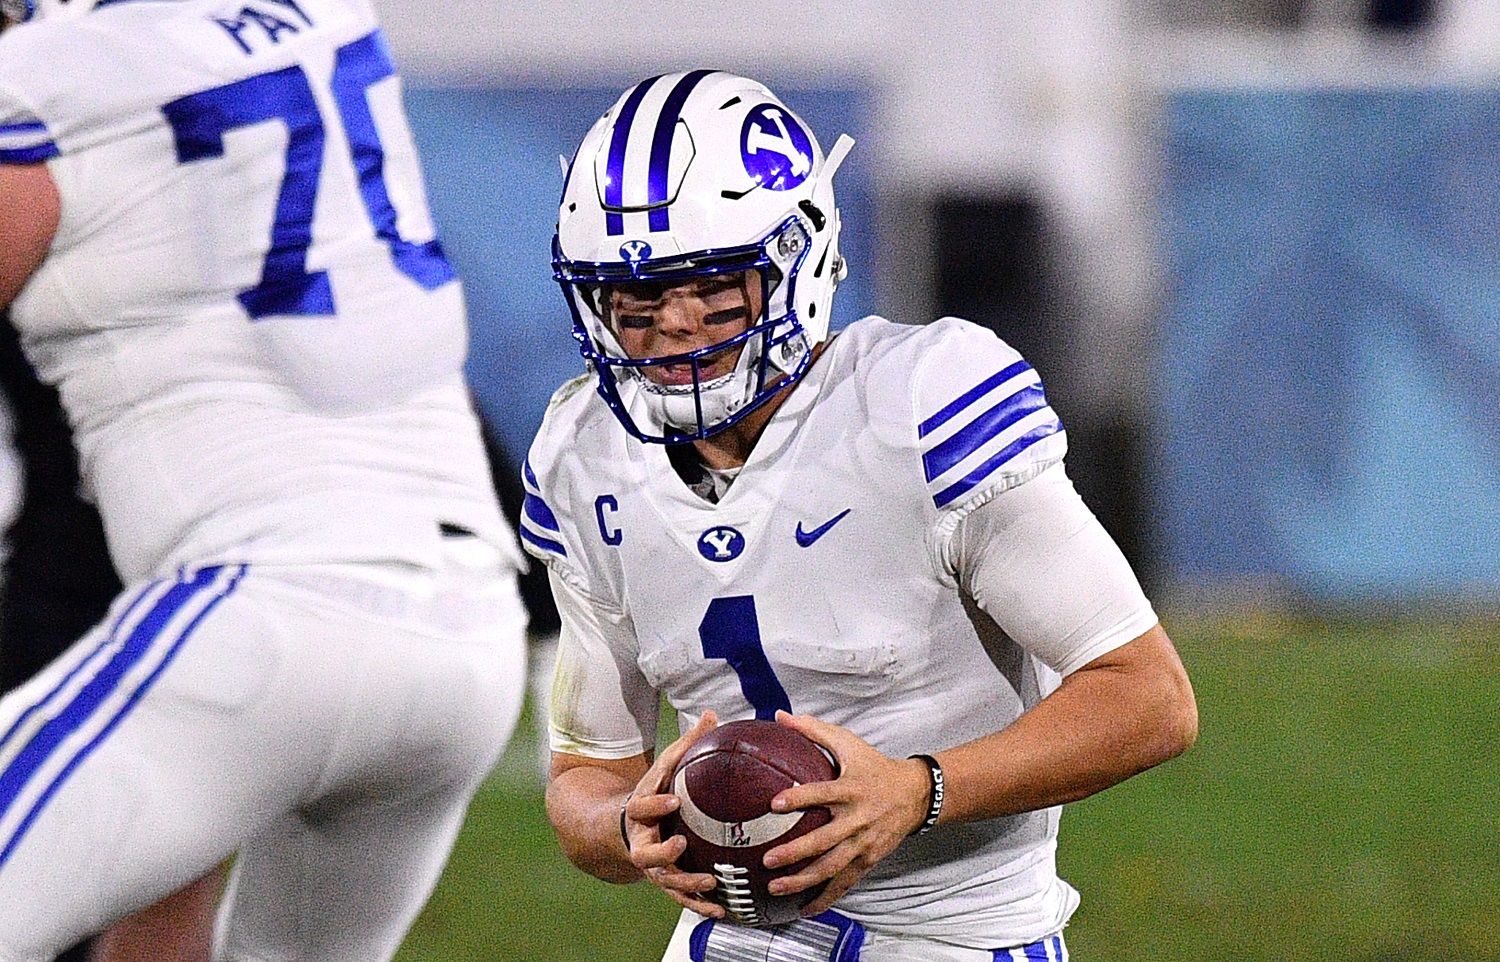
x=604, y=793
x=30, y=209
x=1039, y=562
x=1035, y=558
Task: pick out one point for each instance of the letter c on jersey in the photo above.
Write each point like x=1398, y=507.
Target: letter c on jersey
x=611, y=536
x=721, y=544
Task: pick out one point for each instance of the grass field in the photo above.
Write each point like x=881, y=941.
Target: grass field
x=1342, y=805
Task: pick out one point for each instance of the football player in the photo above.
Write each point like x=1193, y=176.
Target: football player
x=218, y=248
x=870, y=537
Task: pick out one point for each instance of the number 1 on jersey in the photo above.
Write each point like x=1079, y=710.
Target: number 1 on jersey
x=731, y=631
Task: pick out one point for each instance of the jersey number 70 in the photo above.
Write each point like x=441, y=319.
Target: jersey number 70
x=199, y=122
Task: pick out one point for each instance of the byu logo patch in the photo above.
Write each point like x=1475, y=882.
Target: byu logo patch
x=776, y=151
x=721, y=544
x=635, y=251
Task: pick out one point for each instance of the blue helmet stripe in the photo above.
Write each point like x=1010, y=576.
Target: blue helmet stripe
x=661, y=148
x=614, y=183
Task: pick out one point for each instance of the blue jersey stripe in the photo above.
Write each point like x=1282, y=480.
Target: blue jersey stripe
x=614, y=182
x=969, y=397
x=25, y=127
x=1037, y=952
x=142, y=639
x=661, y=148
x=29, y=155
x=983, y=429
x=546, y=544
x=971, y=480
x=536, y=509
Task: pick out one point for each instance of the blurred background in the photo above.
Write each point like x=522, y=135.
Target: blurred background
x=1253, y=246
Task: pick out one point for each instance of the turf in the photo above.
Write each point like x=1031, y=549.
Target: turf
x=1342, y=805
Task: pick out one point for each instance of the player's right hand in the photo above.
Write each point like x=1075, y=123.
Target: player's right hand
x=651, y=801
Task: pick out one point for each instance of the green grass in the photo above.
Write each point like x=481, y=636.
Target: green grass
x=1342, y=805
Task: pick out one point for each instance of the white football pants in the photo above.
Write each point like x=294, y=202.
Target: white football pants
x=877, y=947
x=328, y=723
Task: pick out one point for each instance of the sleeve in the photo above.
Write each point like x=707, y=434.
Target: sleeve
x=602, y=707
x=1042, y=566
x=983, y=421
x=24, y=137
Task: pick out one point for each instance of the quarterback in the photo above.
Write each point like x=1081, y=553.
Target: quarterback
x=218, y=249
x=869, y=537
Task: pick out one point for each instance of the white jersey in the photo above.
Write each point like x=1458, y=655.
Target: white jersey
x=232, y=379
x=824, y=583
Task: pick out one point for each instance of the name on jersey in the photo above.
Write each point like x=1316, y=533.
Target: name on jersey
x=263, y=22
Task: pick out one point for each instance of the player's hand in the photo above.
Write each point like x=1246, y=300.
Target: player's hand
x=651, y=801
x=876, y=802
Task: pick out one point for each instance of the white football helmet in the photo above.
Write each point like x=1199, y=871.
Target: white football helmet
x=688, y=175
x=19, y=11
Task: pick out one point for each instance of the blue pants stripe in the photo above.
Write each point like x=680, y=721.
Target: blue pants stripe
x=1050, y=949
x=52, y=734
x=109, y=639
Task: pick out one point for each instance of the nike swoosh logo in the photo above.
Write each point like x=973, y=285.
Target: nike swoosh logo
x=806, y=538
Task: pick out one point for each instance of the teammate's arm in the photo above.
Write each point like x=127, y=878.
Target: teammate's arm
x=29, y=212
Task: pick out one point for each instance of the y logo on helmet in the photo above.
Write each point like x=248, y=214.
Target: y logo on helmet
x=721, y=544
x=635, y=251
x=776, y=150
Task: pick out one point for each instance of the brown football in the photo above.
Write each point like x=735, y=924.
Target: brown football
x=725, y=784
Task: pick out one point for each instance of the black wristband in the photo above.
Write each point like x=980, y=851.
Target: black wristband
x=935, y=794
x=623, y=836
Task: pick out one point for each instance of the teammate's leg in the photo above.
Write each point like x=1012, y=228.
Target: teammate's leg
x=342, y=877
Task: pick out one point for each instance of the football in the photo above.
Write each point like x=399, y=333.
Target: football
x=725, y=784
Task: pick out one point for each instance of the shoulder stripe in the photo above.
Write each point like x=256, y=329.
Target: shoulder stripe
x=539, y=525
x=941, y=457
x=26, y=143
x=969, y=397
x=972, y=480
x=984, y=429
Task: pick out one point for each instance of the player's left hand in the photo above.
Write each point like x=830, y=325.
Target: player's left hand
x=876, y=802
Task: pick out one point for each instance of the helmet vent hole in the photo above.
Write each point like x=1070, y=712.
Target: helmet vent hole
x=818, y=271
x=814, y=214
x=812, y=311
x=729, y=103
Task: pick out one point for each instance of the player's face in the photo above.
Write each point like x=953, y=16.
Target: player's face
x=655, y=320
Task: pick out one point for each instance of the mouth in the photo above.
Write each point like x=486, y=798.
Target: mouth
x=680, y=375
x=675, y=375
